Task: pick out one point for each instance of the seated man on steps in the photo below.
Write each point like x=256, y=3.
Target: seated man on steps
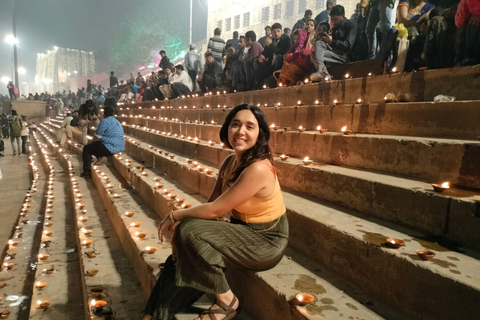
x=107, y=141
x=333, y=49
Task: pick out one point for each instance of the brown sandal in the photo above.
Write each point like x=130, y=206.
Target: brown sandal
x=228, y=311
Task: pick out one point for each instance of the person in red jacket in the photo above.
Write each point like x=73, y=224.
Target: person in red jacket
x=468, y=18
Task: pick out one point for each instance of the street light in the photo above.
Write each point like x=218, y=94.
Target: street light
x=5, y=80
x=22, y=70
x=10, y=39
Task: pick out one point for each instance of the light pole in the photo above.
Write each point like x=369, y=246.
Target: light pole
x=191, y=22
x=15, y=60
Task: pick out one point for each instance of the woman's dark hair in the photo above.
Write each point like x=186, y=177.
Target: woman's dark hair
x=261, y=149
x=314, y=24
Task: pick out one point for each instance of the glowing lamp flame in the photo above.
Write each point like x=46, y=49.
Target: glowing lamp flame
x=445, y=185
x=344, y=129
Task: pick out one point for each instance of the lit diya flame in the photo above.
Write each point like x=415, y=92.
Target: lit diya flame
x=301, y=129
x=43, y=304
x=307, y=161
x=98, y=303
x=40, y=284
x=446, y=185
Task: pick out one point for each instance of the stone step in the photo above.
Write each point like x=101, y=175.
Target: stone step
x=460, y=82
x=428, y=119
x=16, y=281
x=105, y=269
x=429, y=159
x=57, y=274
x=413, y=203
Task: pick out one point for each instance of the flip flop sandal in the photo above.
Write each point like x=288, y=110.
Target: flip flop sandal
x=228, y=311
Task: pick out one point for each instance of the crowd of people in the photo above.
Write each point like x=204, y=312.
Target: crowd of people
x=16, y=128
x=440, y=33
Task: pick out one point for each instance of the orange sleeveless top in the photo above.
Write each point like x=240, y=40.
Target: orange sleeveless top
x=256, y=209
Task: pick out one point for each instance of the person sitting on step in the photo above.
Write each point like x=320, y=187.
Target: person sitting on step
x=333, y=49
x=107, y=141
x=203, y=247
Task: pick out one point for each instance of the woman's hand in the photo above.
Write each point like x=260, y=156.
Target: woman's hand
x=166, y=226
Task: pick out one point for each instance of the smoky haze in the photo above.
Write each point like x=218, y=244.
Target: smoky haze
x=85, y=25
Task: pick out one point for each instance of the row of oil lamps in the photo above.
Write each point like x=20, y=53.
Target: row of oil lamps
x=83, y=218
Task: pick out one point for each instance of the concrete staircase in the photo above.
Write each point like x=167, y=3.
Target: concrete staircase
x=362, y=188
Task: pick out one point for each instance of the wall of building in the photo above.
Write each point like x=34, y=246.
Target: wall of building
x=245, y=15
x=34, y=110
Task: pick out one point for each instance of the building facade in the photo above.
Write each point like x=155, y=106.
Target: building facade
x=57, y=67
x=245, y=15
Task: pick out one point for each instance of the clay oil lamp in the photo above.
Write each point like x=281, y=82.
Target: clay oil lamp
x=43, y=256
x=287, y=128
x=158, y=179
x=167, y=191
x=129, y=214
x=321, y=130
x=84, y=211
x=12, y=242
x=200, y=168
x=2, y=285
x=211, y=143
x=8, y=265
x=135, y=224
x=172, y=156
x=18, y=234
x=98, y=304
x=171, y=196
x=317, y=102
x=284, y=157
x=208, y=171
x=348, y=75
x=87, y=243
x=4, y=314
x=394, y=70
x=214, y=122
x=43, y=304
x=97, y=291
x=86, y=232
x=144, y=173
x=48, y=224
x=141, y=235
x=307, y=161
x=158, y=185
x=48, y=233
x=83, y=219
x=150, y=250
x=48, y=217
x=394, y=243
x=274, y=127
x=335, y=102
x=425, y=254
x=345, y=131
x=303, y=299
x=440, y=187
x=189, y=160
x=40, y=284
x=90, y=254
x=180, y=200
x=117, y=196
x=301, y=129
x=186, y=206
x=299, y=103
x=46, y=243
x=92, y=272
x=359, y=100
x=81, y=206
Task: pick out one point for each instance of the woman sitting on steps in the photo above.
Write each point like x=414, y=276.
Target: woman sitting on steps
x=204, y=247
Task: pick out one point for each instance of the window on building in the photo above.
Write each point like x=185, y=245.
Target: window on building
x=220, y=24
x=236, y=22
x=228, y=24
x=319, y=4
x=302, y=6
x=277, y=11
x=246, y=19
x=265, y=14
x=289, y=11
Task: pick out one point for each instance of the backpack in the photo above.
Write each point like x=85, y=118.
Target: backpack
x=16, y=127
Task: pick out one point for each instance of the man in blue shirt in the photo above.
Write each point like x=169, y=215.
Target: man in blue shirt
x=107, y=141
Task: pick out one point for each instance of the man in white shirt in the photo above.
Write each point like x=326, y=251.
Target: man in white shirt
x=182, y=83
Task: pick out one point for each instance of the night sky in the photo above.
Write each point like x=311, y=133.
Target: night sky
x=76, y=24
